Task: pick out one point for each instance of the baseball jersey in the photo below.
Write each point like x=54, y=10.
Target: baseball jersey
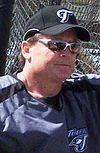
x=66, y=123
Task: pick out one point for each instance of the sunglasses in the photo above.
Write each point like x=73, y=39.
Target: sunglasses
x=59, y=45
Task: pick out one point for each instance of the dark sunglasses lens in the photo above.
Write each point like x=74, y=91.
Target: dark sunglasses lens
x=75, y=47
x=56, y=45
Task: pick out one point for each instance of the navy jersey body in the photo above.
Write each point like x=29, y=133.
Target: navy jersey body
x=66, y=123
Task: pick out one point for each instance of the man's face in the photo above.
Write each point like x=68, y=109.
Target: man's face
x=55, y=66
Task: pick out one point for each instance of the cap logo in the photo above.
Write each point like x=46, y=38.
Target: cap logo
x=64, y=15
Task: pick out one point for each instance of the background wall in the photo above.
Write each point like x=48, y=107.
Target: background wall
x=87, y=13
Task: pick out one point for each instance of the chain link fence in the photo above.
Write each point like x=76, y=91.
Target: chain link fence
x=87, y=13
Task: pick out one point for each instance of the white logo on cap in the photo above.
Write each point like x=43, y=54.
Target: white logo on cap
x=64, y=15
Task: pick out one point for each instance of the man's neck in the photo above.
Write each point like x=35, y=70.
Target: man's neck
x=40, y=88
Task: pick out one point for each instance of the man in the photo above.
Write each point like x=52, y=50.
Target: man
x=42, y=109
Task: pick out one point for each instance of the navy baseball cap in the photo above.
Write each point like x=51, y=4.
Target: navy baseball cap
x=53, y=20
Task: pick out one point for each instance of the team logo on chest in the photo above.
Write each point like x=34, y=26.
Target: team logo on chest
x=64, y=15
x=78, y=139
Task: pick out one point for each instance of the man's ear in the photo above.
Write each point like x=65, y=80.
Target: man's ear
x=25, y=50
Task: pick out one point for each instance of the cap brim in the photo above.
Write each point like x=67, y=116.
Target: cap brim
x=82, y=33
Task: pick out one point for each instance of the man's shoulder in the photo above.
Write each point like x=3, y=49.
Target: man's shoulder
x=8, y=86
x=93, y=78
x=7, y=80
x=87, y=80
